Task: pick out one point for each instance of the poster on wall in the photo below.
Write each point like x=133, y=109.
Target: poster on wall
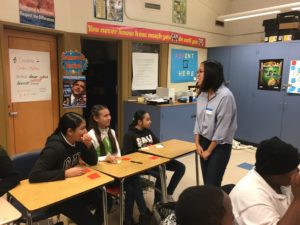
x=37, y=12
x=294, y=77
x=144, y=71
x=74, y=92
x=109, y=10
x=30, y=75
x=270, y=74
x=184, y=64
x=179, y=11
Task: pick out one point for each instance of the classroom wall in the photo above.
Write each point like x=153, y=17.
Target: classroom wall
x=250, y=30
x=72, y=16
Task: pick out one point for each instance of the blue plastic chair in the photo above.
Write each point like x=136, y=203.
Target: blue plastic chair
x=24, y=163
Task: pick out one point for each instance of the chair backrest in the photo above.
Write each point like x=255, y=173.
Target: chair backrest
x=24, y=163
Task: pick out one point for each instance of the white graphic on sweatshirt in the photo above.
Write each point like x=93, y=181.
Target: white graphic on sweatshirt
x=144, y=141
x=68, y=163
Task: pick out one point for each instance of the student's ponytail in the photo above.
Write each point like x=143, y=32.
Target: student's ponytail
x=139, y=115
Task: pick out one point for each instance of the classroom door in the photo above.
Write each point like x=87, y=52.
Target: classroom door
x=31, y=120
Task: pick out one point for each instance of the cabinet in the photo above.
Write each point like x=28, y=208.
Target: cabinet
x=262, y=114
x=169, y=121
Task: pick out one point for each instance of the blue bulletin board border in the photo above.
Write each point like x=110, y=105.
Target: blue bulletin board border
x=184, y=65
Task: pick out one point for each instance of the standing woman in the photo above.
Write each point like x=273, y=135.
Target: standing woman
x=59, y=160
x=216, y=122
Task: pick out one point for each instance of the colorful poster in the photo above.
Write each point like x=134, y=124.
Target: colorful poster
x=74, y=92
x=109, y=9
x=144, y=34
x=30, y=75
x=179, y=11
x=37, y=12
x=184, y=64
x=270, y=74
x=294, y=77
x=73, y=62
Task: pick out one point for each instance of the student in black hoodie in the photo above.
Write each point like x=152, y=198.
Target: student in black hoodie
x=59, y=160
x=9, y=177
x=139, y=135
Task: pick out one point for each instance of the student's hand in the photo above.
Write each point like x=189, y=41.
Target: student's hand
x=295, y=184
x=199, y=150
x=205, y=154
x=87, y=140
x=74, y=172
x=111, y=159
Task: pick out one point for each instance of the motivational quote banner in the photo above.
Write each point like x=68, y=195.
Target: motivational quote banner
x=135, y=33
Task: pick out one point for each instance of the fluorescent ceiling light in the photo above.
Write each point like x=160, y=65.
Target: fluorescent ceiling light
x=252, y=15
x=296, y=8
x=259, y=12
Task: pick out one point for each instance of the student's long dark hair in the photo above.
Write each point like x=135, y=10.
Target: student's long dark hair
x=213, y=76
x=93, y=125
x=68, y=120
x=138, y=115
x=200, y=205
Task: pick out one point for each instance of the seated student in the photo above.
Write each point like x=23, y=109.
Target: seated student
x=204, y=205
x=9, y=177
x=139, y=135
x=107, y=147
x=270, y=193
x=59, y=160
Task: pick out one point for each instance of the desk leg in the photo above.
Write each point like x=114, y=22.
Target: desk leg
x=197, y=168
x=104, y=206
x=29, y=218
x=162, y=173
x=121, y=201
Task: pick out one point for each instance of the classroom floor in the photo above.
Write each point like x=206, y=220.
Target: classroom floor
x=240, y=163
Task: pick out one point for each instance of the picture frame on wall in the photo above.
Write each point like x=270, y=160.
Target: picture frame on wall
x=270, y=74
x=109, y=10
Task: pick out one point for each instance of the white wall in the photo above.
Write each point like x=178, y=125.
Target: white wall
x=250, y=30
x=72, y=16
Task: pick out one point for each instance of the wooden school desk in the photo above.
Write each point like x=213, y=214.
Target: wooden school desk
x=8, y=212
x=132, y=164
x=35, y=196
x=172, y=149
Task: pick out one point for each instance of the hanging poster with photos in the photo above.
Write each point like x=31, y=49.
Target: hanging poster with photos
x=109, y=10
x=270, y=74
x=294, y=78
x=74, y=92
x=179, y=11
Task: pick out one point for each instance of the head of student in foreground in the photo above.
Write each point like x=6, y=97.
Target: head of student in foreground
x=72, y=126
x=210, y=76
x=204, y=205
x=277, y=162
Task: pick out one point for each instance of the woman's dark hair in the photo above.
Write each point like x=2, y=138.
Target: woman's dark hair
x=138, y=115
x=213, y=76
x=93, y=125
x=200, y=205
x=68, y=120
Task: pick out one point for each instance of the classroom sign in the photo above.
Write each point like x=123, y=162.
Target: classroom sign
x=30, y=75
x=184, y=64
x=294, y=77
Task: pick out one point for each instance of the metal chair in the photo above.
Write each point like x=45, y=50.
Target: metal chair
x=24, y=163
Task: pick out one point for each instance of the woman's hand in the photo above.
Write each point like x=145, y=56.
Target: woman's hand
x=87, y=140
x=74, y=172
x=205, y=154
x=199, y=150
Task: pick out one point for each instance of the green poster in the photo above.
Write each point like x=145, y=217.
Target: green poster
x=270, y=74
x=179, y=11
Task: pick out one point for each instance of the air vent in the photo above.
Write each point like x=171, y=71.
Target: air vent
x=152, y=6
x=220, y=23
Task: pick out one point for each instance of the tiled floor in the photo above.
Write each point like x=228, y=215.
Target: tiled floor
x=232, y=175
